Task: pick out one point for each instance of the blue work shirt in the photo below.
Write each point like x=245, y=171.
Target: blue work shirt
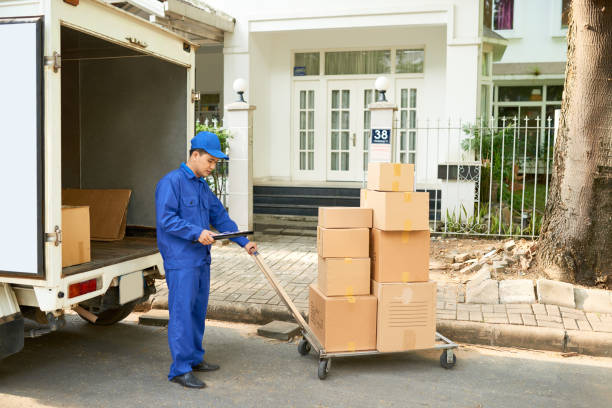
x=185, y=206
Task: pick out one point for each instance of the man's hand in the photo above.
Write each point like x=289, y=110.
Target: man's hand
x=206, y=237
x=251, y=248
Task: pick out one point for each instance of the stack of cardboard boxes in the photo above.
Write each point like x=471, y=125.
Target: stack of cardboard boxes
x=342, y=311
x=400, y=258
x=373, y=289
x=99, y=215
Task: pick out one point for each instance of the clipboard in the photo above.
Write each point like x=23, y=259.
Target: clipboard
x=228, y=235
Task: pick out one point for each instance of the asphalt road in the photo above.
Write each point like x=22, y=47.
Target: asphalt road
x=126, y=365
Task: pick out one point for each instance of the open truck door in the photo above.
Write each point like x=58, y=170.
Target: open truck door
x=21, y=167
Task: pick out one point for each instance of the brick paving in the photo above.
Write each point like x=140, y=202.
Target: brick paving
x=236, y=278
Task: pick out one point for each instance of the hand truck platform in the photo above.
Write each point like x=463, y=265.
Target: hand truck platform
x=310, y=342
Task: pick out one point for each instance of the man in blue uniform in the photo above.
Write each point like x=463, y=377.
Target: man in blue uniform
x=186, y=207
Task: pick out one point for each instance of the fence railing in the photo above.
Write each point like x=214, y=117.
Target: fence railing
x=487, y=177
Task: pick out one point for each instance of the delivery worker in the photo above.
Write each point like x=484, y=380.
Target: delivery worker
x=185, y=208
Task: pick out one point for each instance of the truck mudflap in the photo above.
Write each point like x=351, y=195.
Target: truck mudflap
x=11, y=334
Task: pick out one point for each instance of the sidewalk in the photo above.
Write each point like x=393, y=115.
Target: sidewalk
x=240, y=292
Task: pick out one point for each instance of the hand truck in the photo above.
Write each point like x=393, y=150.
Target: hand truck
x=309, y=341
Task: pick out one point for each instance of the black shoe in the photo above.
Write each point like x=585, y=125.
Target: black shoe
x=204, y=366
x=189, y=380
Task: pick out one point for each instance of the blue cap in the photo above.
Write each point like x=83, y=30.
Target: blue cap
x=209, y=142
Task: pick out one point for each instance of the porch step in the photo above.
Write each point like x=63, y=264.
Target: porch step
x=305, y=201
x=301, y=201
x=285, y=224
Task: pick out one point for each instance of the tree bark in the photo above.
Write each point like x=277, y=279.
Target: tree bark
x=575, y=243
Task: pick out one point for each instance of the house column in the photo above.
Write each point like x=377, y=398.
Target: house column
x=462, y=81
x=238, y=120
x=462, y=68
x=381, y=145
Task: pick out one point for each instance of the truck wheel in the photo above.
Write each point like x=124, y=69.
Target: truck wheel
x=112, y=316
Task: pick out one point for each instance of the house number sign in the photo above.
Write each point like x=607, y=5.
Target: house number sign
x=380, y=145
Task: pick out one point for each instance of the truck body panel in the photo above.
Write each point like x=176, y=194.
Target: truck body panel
x=141, y=137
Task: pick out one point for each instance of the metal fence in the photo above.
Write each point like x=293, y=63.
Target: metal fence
x=487, y=177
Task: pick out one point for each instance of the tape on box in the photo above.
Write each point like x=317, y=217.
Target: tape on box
x=397, y=170
x=407, y=225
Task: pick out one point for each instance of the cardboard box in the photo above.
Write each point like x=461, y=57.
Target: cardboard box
x=76, y=247
x=391, y=176
x=343, y=242
x=344, y=276
x=397, y=211
x=345, y=217
x=399, y=256
x=346, y=323
x=406, y=315
x=107, y=211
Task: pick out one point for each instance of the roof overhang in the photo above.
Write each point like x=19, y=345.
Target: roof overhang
x=192, y=19
x=494, y=43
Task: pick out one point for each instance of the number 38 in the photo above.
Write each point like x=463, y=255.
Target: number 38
x=381, y=134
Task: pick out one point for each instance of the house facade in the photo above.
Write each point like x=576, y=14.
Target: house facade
x=528, y=80
x=310, y=70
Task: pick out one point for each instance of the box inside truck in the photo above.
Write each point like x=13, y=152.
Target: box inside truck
x=123, y=125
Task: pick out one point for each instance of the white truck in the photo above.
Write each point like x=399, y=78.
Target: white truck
x=91, y=97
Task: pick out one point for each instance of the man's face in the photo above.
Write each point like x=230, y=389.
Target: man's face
x=203, y=164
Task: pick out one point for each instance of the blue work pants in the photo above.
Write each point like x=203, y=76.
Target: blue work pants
x=188, y=290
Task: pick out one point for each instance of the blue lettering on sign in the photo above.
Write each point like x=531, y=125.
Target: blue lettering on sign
x=381, y=136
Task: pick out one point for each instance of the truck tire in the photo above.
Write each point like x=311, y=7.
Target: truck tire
x=112, y=316
x=11, y=334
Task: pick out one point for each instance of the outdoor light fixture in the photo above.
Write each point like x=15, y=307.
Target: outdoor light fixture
x=239, y=87
x=381, y=85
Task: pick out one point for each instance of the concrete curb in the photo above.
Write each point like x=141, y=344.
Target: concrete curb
x=503, y=335
x=244, y=313
x=248, y=313
x=539, y=338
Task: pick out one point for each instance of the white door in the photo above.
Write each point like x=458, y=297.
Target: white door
x=408, y=93
x=342, y=150
x=348, y=128
x=21, y=147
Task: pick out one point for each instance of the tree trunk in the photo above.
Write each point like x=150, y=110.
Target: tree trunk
x=575, y=243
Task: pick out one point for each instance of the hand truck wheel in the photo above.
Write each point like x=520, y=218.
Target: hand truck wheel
x=303, y=347
x=444, y=359
x=324, y=365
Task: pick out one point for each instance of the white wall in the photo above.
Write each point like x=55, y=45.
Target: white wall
x=271, y=82
x=537, y=36
x=259, y=50
x=209, y=71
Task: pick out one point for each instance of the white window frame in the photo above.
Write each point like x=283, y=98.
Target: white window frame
x=542, y=104
x=408, y=129
x=318, y=173
x=486, y=80
x=308, y=112
x=556, y=30
x=393, y=51
x=515, y=31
